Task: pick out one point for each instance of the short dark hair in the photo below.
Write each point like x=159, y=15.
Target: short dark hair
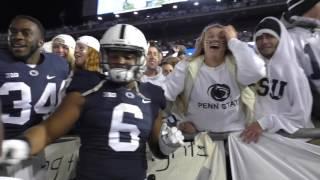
x=32, y=19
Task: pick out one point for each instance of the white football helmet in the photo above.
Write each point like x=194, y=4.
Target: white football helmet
x=124, y=37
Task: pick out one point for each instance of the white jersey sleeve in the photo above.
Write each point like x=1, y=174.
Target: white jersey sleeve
x=250, y=67
x=174, y=83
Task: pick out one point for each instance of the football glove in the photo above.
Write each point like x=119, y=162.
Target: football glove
x=14, y=151
x=170, y=139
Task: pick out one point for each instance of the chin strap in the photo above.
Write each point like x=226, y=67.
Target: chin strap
x=94, y=89
x=136, y=88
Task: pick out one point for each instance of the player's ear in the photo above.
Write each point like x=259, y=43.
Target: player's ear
x=40, y=43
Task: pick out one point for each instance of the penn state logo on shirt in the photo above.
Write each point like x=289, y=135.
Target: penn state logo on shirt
x=219, y=92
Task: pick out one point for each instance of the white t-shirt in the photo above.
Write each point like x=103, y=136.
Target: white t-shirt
x=214, y=103
x=156, y=80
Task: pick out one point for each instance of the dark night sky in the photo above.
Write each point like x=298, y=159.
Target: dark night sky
x=49, y=12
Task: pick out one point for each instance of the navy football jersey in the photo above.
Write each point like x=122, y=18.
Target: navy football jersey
x=114, y=127
x=29, y=93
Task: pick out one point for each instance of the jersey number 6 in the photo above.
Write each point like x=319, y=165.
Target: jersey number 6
x=118, y=126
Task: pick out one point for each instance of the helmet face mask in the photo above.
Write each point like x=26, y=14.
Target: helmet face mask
x=122, y=66
x=124, y=39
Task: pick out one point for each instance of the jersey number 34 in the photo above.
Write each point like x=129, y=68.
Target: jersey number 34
x=23, y=106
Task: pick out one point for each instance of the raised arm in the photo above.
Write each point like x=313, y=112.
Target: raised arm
x=174, y=83
x=250, y=67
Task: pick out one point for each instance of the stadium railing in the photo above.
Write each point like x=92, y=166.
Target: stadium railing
x=312, y=133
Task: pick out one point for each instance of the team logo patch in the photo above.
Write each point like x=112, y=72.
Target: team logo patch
x=110, y=94
x=219, y=92
x=130, y=95
x=50, y=77
x=146, y=101
x=12, y=75
x=34, y=73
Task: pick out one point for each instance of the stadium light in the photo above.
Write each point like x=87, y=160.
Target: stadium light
x=175, y=6
x=99, y=18
x=196, y=3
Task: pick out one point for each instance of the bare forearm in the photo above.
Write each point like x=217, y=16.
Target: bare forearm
x=57, y=125
x=38, y=138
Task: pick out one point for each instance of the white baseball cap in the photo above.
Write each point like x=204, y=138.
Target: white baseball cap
x=89, y=41
x=66, y=40
x=47, y=47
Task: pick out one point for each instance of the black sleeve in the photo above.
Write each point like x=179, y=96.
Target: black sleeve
x=83, y=81
x=155, y=93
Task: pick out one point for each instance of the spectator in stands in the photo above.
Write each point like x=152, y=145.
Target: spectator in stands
x=172, y=60
x=284, y=99
x=31, y=81
x=210, y=90
x=168, y=65
x=46, y=47
x=211, y=82
x=63, y=45
x=87, y=57
x=177, y=51
x=303, y=22
x=181, y=52
x=116, y=115
x=153, y=73
x=87, y=54
x=166, y=68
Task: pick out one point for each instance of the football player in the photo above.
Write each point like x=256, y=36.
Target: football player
x=30, y=82
x=117, y=114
